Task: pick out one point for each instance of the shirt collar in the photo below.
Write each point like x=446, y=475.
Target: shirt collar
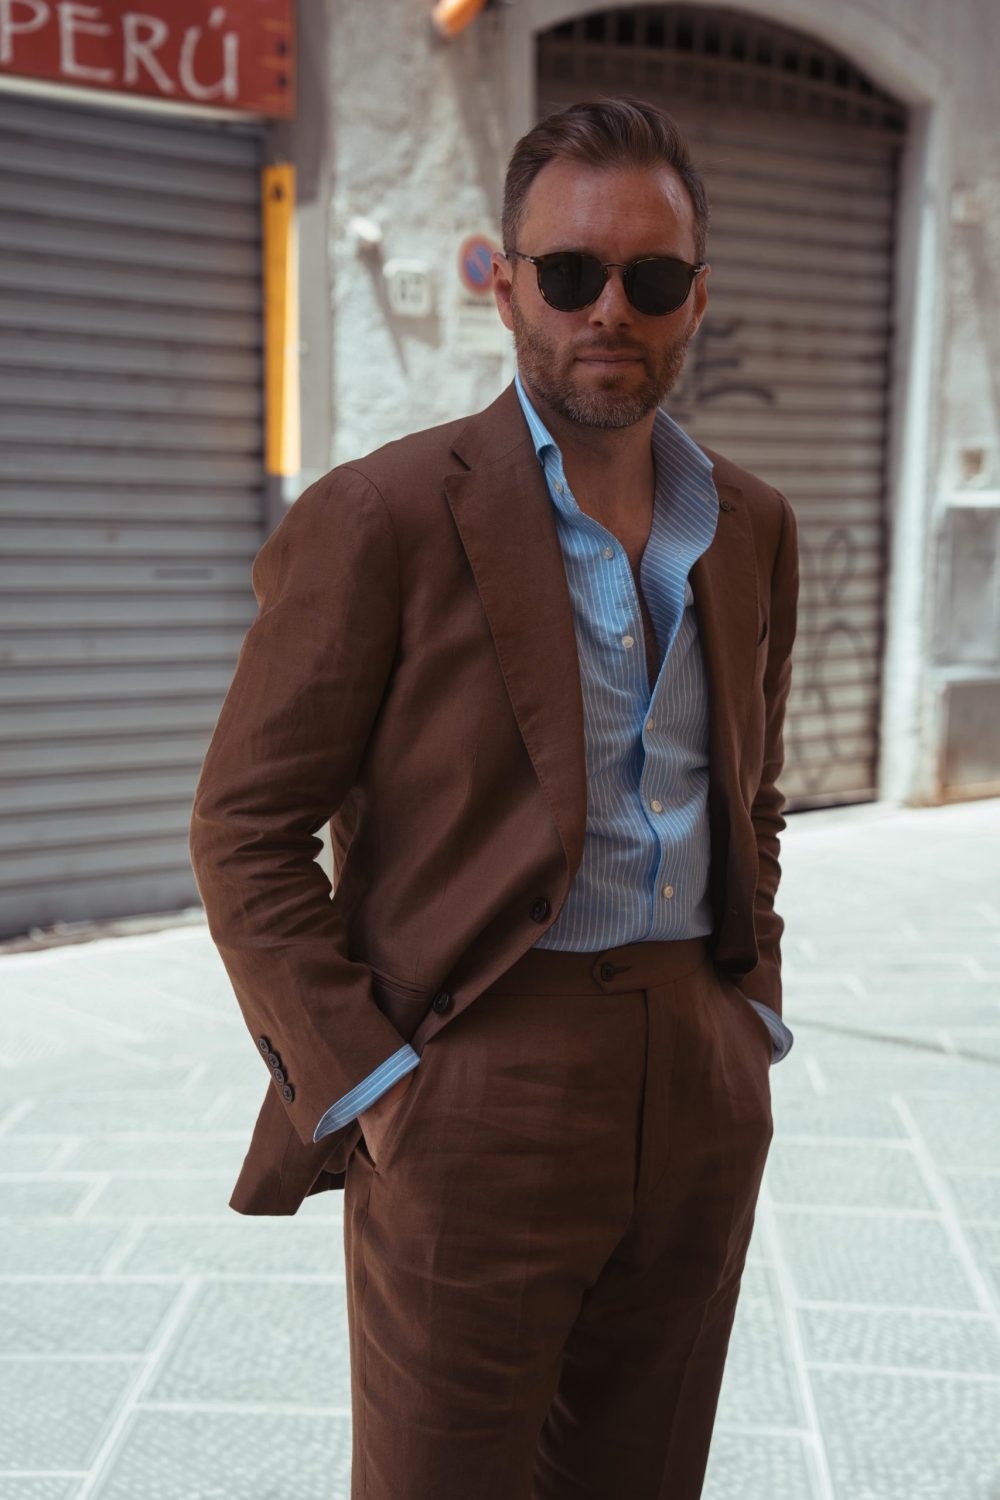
x=668, y=437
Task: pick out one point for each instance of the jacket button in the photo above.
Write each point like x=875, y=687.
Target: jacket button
x=608, y=971
x=264, y=1045
x=273, y=1060
x=540, y=909
x=287, y=1093
x=727, y=505
x=441, y=1001
x=279, y=1076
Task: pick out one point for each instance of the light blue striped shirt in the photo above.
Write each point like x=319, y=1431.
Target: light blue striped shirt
x=644, y=870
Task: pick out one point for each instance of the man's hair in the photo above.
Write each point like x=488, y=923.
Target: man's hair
x=616, y=132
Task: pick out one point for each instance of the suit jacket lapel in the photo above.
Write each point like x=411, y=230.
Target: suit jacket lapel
x=724, y=584
x=503, y=513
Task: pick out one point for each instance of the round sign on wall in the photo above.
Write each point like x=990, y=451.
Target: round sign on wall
x=477, y=326
x=474, y=263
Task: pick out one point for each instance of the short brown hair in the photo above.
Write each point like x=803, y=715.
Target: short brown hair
x=614, y=132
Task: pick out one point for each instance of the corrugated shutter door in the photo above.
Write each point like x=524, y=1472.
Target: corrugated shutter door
x=131, y=492
x=789, y=373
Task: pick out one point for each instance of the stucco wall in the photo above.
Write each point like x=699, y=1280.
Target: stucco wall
x=418, y=146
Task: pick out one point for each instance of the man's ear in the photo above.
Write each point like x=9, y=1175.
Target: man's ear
x=503, y=273
x=700, y=298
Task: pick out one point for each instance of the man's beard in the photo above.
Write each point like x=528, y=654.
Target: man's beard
x=549, y=373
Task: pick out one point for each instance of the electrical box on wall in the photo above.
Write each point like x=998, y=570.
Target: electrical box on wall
x=408, y=287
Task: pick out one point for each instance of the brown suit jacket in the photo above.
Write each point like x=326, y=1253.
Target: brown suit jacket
x=412, y=677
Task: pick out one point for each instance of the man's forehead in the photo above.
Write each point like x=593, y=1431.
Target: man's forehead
x=576, y=206
x=565, y=175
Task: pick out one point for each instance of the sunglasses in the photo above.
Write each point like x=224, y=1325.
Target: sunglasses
x=571, y=279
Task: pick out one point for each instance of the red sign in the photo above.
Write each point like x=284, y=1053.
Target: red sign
x=238, y=56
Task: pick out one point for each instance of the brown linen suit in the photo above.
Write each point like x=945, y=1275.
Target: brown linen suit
x=412, y=676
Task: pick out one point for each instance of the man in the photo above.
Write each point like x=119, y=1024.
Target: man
x=532, y=665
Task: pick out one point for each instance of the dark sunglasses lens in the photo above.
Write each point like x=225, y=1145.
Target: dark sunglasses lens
x=658, y=286
x=569, y=280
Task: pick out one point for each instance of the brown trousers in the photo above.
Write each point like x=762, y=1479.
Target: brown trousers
x=543, y=1268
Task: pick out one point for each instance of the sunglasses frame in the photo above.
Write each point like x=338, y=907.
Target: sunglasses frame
x=538, y=261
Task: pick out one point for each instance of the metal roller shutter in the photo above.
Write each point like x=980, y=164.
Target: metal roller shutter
x=131, y=492
x=789, y=374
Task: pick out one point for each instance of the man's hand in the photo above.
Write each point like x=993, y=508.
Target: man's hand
x=375, y=1120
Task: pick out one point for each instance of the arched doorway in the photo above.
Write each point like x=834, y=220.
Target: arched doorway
x=790, y=372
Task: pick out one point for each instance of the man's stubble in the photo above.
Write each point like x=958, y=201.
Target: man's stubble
x=549, y=373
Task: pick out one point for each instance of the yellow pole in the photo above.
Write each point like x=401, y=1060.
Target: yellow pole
x=282, y=455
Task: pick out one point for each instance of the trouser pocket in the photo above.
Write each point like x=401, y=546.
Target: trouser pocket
x=403, y=1111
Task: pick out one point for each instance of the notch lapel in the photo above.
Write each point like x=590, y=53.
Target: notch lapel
x=503, y=513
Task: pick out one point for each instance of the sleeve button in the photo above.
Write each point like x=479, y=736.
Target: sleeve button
x=287, y=1093
x=264, y=1045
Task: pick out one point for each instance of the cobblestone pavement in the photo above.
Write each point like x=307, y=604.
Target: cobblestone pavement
x=158, y=1346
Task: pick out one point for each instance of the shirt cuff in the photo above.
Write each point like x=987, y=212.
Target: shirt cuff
x=367, y=1091
x=780, y=1034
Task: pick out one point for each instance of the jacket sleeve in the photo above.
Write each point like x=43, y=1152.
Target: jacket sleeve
x=763, y=982
x=292, y=731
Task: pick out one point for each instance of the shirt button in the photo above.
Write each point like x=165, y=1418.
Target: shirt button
x=668, y=891
x=608, y=552
x=657, y=807
x=558, y=488
x=649, y=723
x=628, y=640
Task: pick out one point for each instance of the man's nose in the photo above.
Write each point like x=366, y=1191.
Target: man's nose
x=612, y=306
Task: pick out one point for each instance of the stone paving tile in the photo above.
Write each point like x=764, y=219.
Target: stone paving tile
x=976, y=1194
x=849, y=1257
x=207, y=1151
x=905, y=1437
x=209, y=1455
x=868, y=1063
x=28, y=1197
x=56, y=1410
x=22, y=1487
x=91, y=1114
x=850, y=1176
x=959, y=1132
x=81, y=1317
x=759, y=1375
x=848, y=1115
x=901, y=1338
x=55, y=1247
x=251, y=1341
x=759, y=1466
x=163, y=1197
x=240, y=1245
x=30, y=1156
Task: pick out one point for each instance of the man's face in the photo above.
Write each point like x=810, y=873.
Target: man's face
x=606, y=365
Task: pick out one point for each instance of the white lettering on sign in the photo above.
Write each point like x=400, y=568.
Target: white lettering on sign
x=226, y=88
x=38, y=15
x=207, y=64
x=139, y=50
x=75, y=18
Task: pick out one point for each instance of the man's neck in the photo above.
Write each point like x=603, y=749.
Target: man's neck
x=609, y=469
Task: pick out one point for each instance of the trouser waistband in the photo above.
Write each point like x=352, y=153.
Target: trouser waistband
x=632, y=966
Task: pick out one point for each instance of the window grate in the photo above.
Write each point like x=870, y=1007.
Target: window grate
x=717, y=55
